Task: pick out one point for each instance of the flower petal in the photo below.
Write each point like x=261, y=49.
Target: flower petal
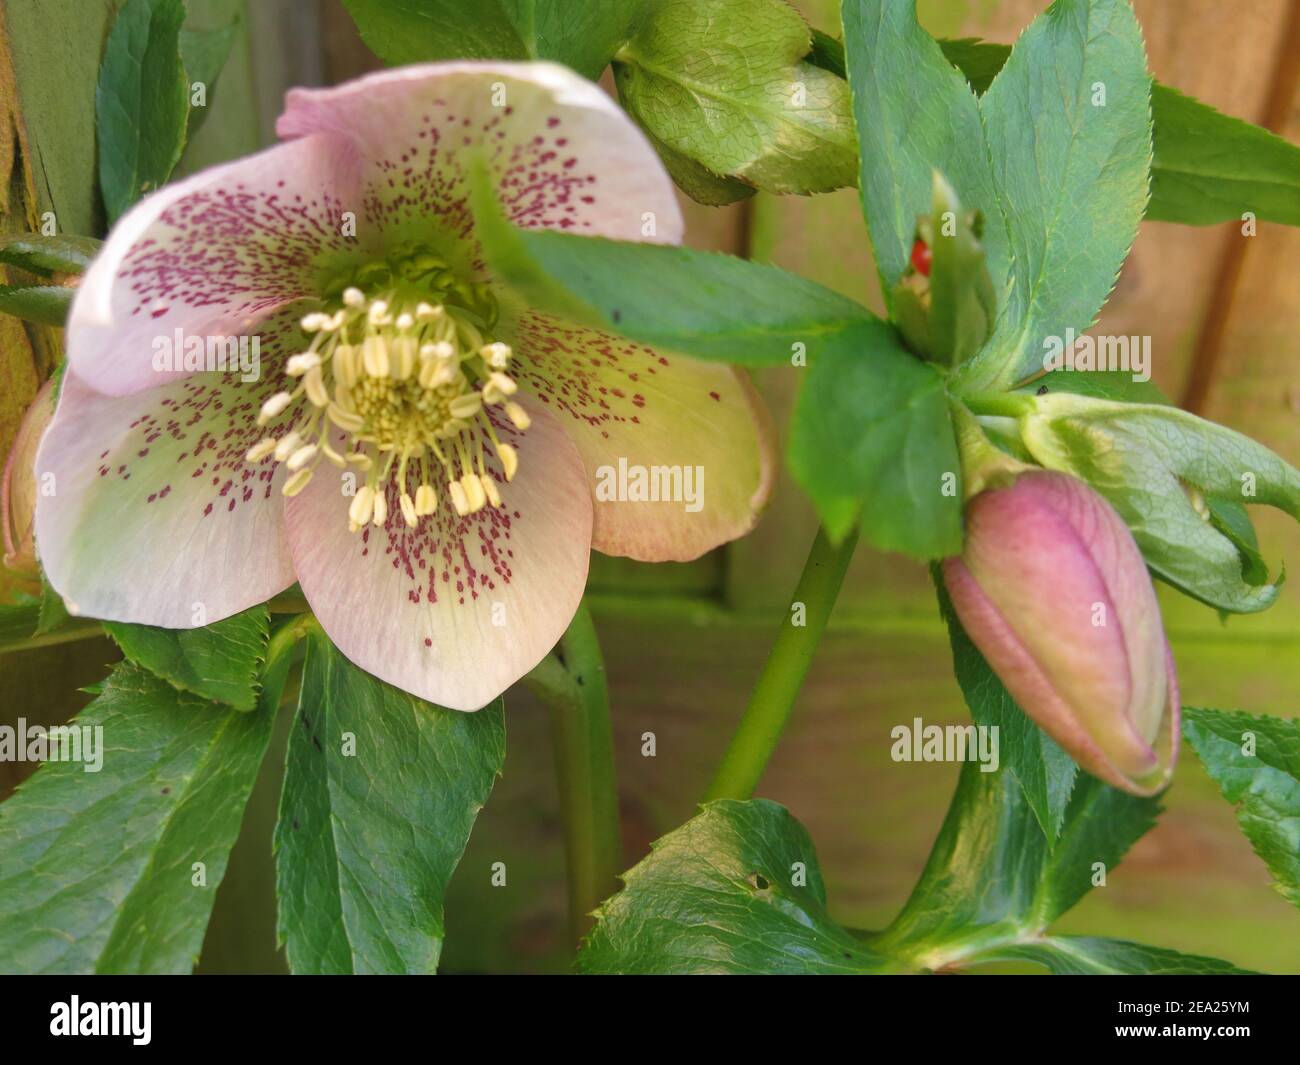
x=563, y=154
x=456, y=609
x=212, y=256
x=152, y=515
x=680, y=454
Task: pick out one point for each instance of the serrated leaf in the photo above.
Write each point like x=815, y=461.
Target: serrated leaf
x=1093, y=956
x=97, y=868
x=1210, y=167
x=219, y=661
x=1045, y=773
x=368, y=837
x=737, y=889
x=1071, y=170
x=584, y=35
x=872, y=440
x=703, y=304
x=40, y=254
x=141, y=102
x=756, y=112
x=1264, y=786
x=1206, y=166
x=915, y=114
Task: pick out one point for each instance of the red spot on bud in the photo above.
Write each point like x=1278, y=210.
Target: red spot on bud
x=921, y=257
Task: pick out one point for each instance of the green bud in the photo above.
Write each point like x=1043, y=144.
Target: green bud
x=1178, y=481
x=946, y=312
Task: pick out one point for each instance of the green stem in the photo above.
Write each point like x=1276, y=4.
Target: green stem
x=783, y=674
x=571, y=684
x=68, y=633
x=1005, y=404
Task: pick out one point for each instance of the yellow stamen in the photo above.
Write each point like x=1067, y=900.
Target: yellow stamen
x=401, y=381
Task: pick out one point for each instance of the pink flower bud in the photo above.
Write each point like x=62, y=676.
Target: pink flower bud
x=18, y=486
x=1052, y=589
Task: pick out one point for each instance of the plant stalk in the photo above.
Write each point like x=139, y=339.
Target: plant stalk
x=783, y=674
x=570, y=682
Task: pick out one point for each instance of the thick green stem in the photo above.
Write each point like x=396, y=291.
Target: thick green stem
x=1006, y=404
x=68, y=633
x=783, y=674
x=571, y=683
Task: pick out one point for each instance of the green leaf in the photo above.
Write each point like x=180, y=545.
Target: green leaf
x=44, y=304
x=97, y=869
x=219, y=661
x=1227, y=516
x=1206, y=166
x=696, y=180
x=702, y=304
x=915, y=114
x=992, y=880
x=203, y=54
x=1091, y=956
x=872, y=439
x=1233, y=521
x=53, y=612
x=737, y=889
x=1210, y=167
x=1140, y=456
x=979, y=61
x=584, y=35
x=1071, y=171
x=142, y=102
x=1263, y=785
x=48, y=255
x=1100, y=384
x=1046, y=774
x=722, y=82
x=18, y=620
x=381, y=791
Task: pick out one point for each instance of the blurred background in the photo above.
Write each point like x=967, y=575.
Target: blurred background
x=683, y=643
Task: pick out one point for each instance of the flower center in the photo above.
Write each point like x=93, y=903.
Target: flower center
x=409, y=382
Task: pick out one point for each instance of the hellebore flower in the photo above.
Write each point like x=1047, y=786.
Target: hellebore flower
x=1052, y=589
x=18, y=486
x=419, y=449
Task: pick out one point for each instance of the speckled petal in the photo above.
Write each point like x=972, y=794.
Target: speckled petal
x=563, y=154
x=148, y=511
x=211, y=256
x=454, y=610
x=693, y=433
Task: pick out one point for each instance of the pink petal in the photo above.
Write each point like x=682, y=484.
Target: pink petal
x=455, y=610
x=697, y=428
x=212, y=256
x=563, y=154
x=153, y=515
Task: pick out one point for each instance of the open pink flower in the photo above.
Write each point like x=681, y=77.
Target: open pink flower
x=419, y=450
